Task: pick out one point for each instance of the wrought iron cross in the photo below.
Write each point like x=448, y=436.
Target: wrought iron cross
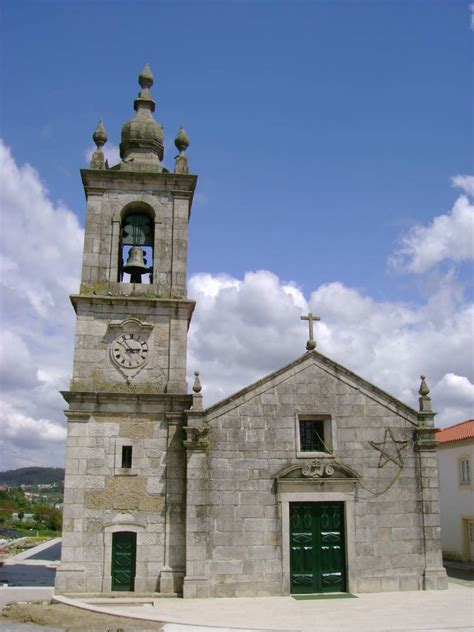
x=311, y=344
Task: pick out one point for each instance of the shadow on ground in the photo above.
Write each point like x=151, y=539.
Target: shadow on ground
x=460, y=573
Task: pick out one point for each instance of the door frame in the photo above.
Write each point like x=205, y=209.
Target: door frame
x=133, y=559
x=109, y=530
x=285, y=498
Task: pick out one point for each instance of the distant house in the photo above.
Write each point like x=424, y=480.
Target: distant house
x=27, y=517
x=456, y=498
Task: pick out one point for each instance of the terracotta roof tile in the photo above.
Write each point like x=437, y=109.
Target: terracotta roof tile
x=458, y=432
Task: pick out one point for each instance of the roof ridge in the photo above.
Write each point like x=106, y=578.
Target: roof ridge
x=461, y=423
x=462, y=431
x=341, y=371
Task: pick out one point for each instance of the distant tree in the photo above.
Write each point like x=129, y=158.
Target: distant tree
x=49, y=517
x=32, y=476
x=21, y=515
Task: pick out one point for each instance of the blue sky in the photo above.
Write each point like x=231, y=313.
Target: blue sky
x=325, y=136
x=325, y=127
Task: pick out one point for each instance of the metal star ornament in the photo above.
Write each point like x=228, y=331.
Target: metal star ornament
x=390, y=449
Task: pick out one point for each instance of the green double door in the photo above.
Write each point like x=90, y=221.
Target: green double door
x=317, y=551
x=124, y=553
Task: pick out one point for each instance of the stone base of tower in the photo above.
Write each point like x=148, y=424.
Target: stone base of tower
x=435, y=579
x=70, y=579
x=121, y=513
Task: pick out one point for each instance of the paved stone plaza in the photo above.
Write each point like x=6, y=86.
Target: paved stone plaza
x=450, y=610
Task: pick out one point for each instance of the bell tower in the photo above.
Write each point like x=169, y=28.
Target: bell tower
x=124, y=499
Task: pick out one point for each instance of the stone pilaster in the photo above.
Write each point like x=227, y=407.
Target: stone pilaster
x=434, y=576
x=172, y=573
x=196, y=582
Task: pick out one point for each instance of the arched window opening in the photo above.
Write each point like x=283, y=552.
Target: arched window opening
x=136, y=249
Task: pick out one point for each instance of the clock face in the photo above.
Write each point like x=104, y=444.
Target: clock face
x=129, y=351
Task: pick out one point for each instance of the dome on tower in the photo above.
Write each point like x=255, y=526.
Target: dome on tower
x=142, y=137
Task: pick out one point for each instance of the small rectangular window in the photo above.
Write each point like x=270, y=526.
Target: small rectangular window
x=464, y=473
x=312, y=435
x=126, y=456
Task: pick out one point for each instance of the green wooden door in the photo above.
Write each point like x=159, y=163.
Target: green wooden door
x=317, y=555
x=124, y=547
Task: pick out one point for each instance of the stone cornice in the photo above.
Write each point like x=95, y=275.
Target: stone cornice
x=96, y=299
x=425, y=439
x=97, y=180
x=112, y=397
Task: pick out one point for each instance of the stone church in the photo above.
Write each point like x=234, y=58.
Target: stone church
x=311, y=480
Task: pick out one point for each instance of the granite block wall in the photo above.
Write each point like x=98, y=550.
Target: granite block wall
x=253, y=439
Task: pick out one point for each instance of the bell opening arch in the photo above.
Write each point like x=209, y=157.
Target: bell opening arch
x=134, y=243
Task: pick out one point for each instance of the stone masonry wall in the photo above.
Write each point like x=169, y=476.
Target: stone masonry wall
x=160, y=197
x=253, y=438
x=101, y=498
x=93, y=368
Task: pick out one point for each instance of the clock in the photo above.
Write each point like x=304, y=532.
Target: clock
x=129, y=351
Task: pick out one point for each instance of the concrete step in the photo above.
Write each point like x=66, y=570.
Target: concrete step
x=119, y=597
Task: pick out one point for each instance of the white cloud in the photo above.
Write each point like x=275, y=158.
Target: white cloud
x=243, y=329
x=456, y=388
x=448, y=237
x=457, y=394
x=111, y=153
x=40, y=254
x=25, y=431
x=16, y=363
x=466, y=183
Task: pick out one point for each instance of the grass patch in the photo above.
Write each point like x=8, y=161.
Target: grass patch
x=324, y=596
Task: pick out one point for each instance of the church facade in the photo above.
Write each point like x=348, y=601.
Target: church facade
x=310, y=480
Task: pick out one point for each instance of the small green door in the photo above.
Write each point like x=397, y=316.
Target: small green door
x=124, y=548
x=317, y=555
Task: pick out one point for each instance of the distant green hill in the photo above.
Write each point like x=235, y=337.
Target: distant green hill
x=32, y=476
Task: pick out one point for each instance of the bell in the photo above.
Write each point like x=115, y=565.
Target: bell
x=136, y=264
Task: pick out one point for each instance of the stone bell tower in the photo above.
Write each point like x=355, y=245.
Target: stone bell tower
x=124, y=502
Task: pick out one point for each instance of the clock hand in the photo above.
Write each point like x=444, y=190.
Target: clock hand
x=130, y=349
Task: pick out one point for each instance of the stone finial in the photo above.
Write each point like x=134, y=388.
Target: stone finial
x=424, y=400
x=146, y=78
x=100, y=135
x=425, y=433
x=197, y=397
x=142, y=136
x=197, y=387
x=424, y=390
x=182, y=143
x=144, y=99
x=100, y=138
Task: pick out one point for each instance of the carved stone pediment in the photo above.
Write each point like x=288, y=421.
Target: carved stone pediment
x=318, y=470
x=130, y=324
x=129, y=348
